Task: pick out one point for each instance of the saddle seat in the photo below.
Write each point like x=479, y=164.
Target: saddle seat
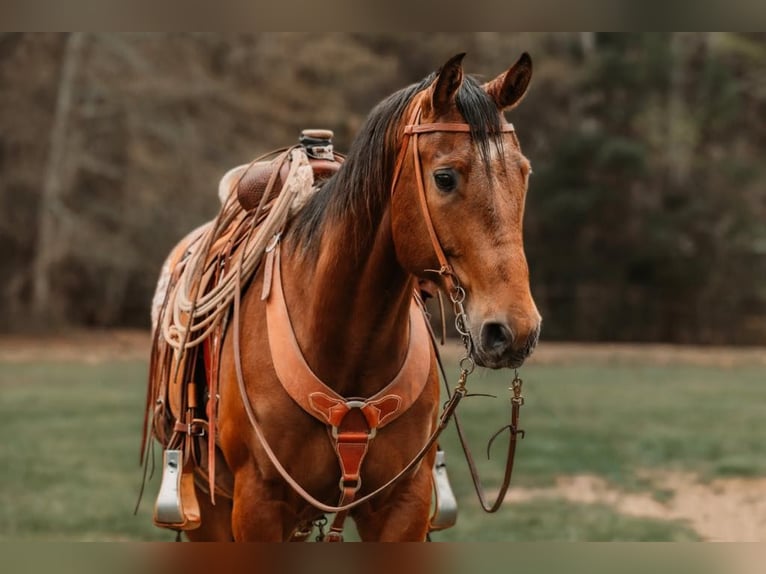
x=252, y=180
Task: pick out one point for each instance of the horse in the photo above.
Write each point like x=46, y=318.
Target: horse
x=432, y=190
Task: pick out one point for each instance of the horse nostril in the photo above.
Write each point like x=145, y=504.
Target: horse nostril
x=496, y=337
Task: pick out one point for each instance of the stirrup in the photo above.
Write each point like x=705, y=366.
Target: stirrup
x=177, y=506
x=445, y=512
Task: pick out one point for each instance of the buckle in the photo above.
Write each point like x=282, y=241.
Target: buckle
x=336, y=433
x=353, y=405
x=194, y=428
x=355, y=484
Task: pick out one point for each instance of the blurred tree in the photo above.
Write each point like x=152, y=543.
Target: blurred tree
x=50, y=211
x=646, y=212
x=635, y=231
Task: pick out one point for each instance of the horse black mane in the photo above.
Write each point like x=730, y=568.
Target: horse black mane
x=361, y=188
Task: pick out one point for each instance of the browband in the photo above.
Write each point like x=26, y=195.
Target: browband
x=447, y=127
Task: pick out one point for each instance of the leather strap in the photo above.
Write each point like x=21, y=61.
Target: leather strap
x=446, y=127
x=514, y=430
x=351, y=442
x=445, y=267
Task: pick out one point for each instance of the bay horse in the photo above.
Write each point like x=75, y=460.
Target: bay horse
x=433, y=188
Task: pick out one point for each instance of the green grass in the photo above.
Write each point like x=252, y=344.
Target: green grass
x=612, y=420
x=70, y=452
x=562, y=521
x=71, y=431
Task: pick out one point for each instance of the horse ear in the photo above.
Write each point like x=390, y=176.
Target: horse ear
x=446, y=85
x=508, y=89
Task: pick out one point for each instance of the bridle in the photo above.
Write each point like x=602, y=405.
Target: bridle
x=455, y=291
x=411, y=131
x=457, y=296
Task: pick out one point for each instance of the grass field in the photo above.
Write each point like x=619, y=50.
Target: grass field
x=71, y=431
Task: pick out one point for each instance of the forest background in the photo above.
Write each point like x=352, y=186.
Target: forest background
x=646, y=217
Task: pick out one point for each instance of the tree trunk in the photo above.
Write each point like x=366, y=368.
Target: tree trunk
x=679, y=158
x=54, y=183
x=587, y=44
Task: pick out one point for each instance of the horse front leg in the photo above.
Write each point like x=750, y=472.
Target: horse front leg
x=403, y=516
x=259, y=513
x=216, y=519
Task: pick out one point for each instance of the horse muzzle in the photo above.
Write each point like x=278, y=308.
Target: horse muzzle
x=499, y=346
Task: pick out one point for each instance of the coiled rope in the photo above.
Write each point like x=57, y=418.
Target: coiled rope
x=230, y=250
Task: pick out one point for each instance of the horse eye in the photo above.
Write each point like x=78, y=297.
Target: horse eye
x=445, y=180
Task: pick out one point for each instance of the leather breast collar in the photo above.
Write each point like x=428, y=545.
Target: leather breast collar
x=313, y=395
x=352, y=422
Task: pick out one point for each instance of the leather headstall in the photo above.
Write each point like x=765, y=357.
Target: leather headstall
x=411, y=131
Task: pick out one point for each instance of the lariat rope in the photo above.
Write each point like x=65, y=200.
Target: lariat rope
x=194, y=314
x=197, y=304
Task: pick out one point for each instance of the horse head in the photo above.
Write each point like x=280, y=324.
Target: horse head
x=461, y=167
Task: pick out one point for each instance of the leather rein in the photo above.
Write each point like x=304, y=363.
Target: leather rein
x=353, y=423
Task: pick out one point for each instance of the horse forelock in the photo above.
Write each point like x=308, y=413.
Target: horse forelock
x=360, y=191
x=482, y=115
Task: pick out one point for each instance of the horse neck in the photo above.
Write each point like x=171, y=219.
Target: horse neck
x=350, y=310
